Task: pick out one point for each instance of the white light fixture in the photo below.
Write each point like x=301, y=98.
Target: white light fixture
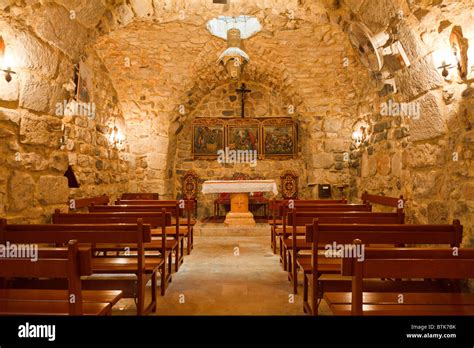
x=247, y=25
x=367, y=45
x=372, y=48
x=234, y=58
x=444, y=60
x=233, y=30
x=360, y=133
x=5, y=62
x=396, y=49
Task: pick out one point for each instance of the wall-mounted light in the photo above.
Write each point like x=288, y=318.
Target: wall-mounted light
x=445, y=66
x=444, y=61
x=116, y=138
x=5, y=66
x=453, y=55
x=360, y=133
x=459, y=48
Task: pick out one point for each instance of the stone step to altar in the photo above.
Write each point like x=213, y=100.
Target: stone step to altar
x=208, y=229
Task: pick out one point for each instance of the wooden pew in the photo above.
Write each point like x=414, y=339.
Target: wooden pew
x=284, y=210
x=186, y=206
x=145, y=268
x=142, y=196
x=70, y=263
x=184, y=227
x=154, y=219
x=327, y=234
x=76, y=204
x=279, y=207
x=397, y=203
x=403, y=264
x=297, y=220
x=175, y=230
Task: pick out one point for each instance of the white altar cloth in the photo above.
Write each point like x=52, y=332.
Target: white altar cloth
x=239, y=186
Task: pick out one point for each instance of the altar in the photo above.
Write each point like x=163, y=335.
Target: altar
x=239, y=197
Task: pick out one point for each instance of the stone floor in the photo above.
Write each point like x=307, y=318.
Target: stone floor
x=236, y=275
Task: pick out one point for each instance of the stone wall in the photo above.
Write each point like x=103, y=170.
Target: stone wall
x=224, y=102
x=427, y=157
x=31, y=161
x=162, y=62
x=151, y=58
x=101, y=165
x=37, y=143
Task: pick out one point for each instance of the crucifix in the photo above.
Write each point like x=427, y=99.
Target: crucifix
x=243, y=89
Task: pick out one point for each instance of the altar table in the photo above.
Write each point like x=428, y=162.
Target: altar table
x=239, y=196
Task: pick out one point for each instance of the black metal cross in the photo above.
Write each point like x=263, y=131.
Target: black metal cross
x=243, y=89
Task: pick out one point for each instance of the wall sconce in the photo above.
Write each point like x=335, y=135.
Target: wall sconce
x=444, y=61
x=4, y=67
x=459, y=47
x=116, y=138
x=445, y=66
x=453, y=55
x=361, y=133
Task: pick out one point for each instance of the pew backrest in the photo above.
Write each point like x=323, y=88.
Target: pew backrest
x=284, y=209
x=184, y=205
x=84, y=233
x=386, y=233
x=80, y=203
x=63, y=263
x=144, y=211
x=335, y=235
x=406, y=264
x=153, y=218
x=302, y=218
x=398, y=203
x=142, y=196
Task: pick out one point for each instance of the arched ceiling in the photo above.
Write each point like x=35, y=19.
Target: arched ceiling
x=175, y=63
x=173, y=57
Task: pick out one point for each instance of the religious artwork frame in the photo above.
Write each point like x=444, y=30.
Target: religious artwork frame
x=84, y=83
x=268, y=131
x=189, y=184
x=279, y=138
x=243, y=134
x=289, y=185
x=208, y=138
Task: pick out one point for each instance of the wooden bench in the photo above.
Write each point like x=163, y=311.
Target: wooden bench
x=405, y=263
x=296, y=220
x=394, y=202
x=321, y=235
x=284, y=210
x=178, y=232
x=127, y=234
x=141, y=196
x=154, y=219
x=70, y=263
x=189, y=207
x=275, y=205
x=76, y=204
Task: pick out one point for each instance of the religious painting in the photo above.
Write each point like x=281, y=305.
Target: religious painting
x=84, y=84
x=208, y=138
x=269, y=138
x=243, y=135
x=279, y=138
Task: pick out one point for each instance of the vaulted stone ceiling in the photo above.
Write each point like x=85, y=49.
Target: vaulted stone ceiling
x=298, y=57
